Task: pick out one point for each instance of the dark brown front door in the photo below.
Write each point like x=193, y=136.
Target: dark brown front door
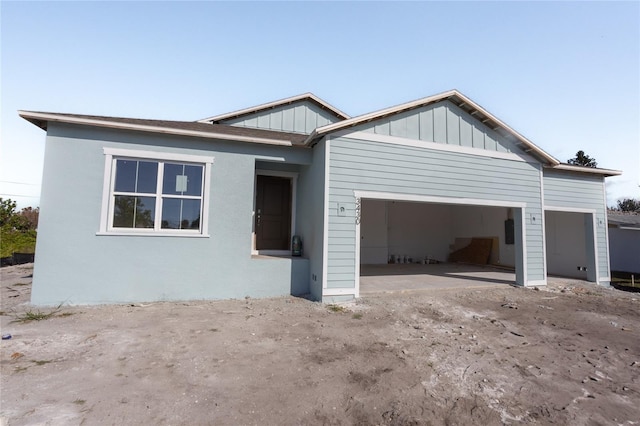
x=273, y=213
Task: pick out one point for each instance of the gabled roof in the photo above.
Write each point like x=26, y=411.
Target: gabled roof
x=183, y=128
x=458, y=99
x=304, y=97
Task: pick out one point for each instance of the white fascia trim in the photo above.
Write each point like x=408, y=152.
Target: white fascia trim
x=628, y=228
x=325, y=225
x=157, y=155
x=272, y=105
x=152, y=129
x=588, y=170
x=394, y=140
x=340, y=292
x=568, y=209
x=544, y=226
x=392, y=196
x=525, y=255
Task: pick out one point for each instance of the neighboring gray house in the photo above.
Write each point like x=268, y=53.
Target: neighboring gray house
x=140, y=210
x=624, y=241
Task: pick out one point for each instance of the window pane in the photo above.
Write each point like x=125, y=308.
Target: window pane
x=145, y=212
x=123, y=211
x=171, y=171
x=130, y=212
x=182, y=179
x=147, y=177
x=170, y=213
x=180, y=214
x=194, y=179
x=126, y=175
x=190, y=214
x=136, y=176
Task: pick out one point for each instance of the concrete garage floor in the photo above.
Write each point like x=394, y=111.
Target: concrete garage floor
x=406, y=277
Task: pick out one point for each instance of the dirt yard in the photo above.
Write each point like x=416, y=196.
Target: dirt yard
x=567, y=354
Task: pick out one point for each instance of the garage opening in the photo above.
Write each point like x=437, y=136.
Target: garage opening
x=406, y=245
x=567, y=234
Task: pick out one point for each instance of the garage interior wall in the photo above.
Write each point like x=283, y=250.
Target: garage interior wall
x=420, y=230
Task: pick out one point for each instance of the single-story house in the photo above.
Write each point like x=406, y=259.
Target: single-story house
x=143, y=210
x=624, y=241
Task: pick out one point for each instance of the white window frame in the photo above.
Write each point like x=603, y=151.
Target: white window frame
x=106, y=216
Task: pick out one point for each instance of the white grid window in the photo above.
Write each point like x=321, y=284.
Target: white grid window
x=154, y=193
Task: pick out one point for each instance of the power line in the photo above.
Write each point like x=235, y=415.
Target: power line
x=20, y=195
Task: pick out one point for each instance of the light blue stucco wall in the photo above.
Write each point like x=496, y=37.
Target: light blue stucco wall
x=402, y=169
x=579, y=191
x=74, y=265
x=298, y=117
x=311, y=216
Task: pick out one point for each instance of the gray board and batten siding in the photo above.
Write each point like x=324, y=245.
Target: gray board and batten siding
x=360, y=165
x=442, y=122
x=579, y=192
x=298, y=117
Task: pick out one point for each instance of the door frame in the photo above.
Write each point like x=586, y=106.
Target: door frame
x=294, y=186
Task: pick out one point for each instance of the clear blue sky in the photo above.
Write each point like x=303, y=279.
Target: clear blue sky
x=565, y=75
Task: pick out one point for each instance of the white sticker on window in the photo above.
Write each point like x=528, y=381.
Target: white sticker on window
x=181, y=183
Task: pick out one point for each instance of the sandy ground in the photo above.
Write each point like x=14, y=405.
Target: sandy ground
x=568, y=354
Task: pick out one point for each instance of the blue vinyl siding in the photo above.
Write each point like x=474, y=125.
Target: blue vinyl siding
x=376, y=166
x=442, y=122
x=298, y=117
x=580, y=191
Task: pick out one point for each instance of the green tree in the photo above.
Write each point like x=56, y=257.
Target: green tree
x=582, y=159
x=629, y=205
x=10, y=218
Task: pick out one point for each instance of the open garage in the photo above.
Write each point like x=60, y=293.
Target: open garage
x=410, y=245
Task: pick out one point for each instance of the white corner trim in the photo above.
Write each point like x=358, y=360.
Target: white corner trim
x=357, y=253
x=394, y=196
x=413, y=143
x=325, y=215
x=544, y=227
x=596, y=255
x=525, y=254
x=606, y=228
